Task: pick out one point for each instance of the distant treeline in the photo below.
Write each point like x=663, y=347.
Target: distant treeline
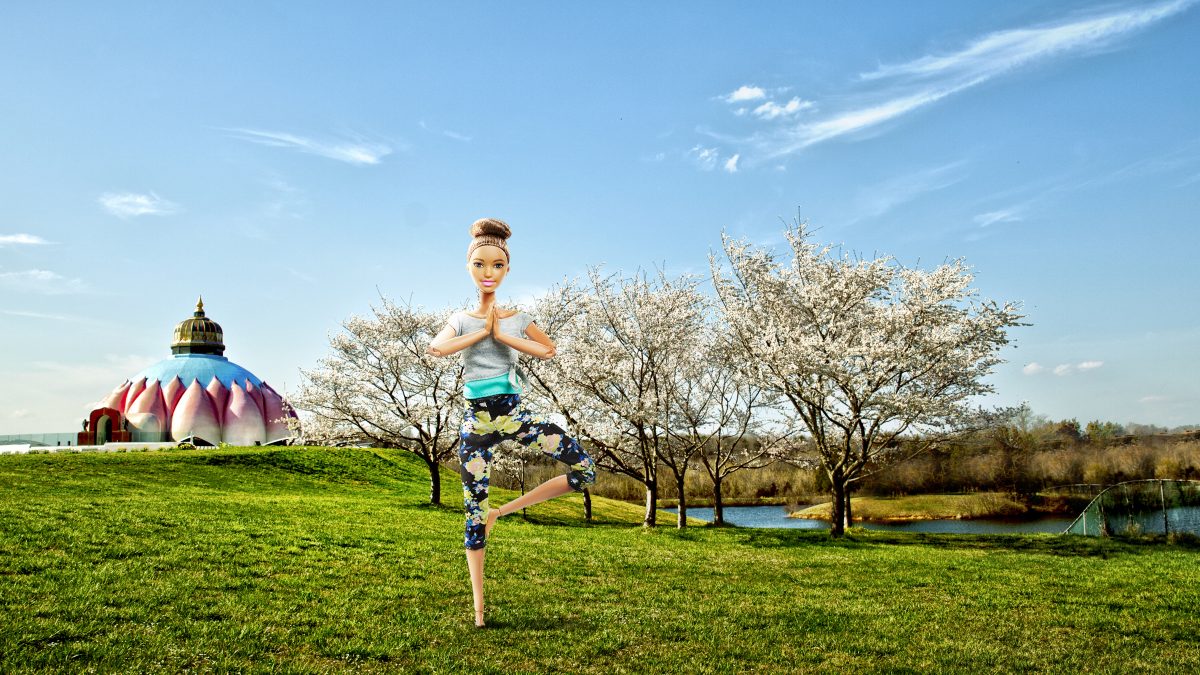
x=1025, y=462
x=1021, y=459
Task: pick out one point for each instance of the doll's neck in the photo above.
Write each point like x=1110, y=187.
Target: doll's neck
x=486, y=301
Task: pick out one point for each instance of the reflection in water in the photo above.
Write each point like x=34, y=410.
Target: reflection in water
x=776, y=516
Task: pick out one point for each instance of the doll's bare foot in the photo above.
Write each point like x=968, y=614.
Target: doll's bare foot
x=492, y=515
x=479, y=619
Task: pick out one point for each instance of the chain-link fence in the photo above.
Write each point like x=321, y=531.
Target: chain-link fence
x=1142, y=507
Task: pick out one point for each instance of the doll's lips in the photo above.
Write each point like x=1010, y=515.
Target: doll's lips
x=489, y=283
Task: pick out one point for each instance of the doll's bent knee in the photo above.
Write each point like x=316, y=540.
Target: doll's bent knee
x=580, y=479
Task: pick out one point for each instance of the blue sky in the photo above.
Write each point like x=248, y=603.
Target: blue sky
x=290, y=161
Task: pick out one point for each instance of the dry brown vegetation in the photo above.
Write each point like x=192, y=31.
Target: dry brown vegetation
x=1006, y=460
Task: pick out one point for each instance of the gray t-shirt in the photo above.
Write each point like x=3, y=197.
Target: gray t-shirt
x=489, y=358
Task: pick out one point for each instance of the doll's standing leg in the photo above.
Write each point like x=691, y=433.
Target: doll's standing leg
x=475, y=457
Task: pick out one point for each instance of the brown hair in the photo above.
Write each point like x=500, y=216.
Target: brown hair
x=489, y=232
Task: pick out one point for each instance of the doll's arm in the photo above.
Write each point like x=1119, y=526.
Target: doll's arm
x=448, y=341
x=538, y=344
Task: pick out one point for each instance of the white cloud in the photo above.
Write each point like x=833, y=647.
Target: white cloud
x=1152, y=399
x=1033, y=368
x=1089, y=365
x=20, y=413
x=891, y=91
x=40, y=281
x=129, y=204
x=358, y=151
x=21, y=239
x=1062, y=369
x=705, y=158
x=731, y=164
x=771, y=110
x=993, y=217
x=745, y=93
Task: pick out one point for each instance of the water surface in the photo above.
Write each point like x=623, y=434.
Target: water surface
x=776, y=516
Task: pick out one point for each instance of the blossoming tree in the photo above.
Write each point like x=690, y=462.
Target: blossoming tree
x=865, y=352
x=724, y=415
x=379, y=386
x=620, y=343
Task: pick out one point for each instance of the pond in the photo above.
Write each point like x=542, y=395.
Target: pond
x=776, y=516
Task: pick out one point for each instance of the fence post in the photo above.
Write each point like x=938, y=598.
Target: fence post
x=1162, y=494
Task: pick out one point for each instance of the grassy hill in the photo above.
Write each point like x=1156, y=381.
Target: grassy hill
x=328, y=560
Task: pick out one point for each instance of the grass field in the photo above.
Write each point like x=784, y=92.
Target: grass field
x=330, y=560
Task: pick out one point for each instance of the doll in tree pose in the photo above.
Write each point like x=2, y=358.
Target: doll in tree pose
x=490, y=339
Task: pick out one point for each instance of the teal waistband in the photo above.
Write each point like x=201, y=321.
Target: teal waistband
x=505, y=383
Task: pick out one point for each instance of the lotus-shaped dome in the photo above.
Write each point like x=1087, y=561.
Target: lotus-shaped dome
x=201, y=396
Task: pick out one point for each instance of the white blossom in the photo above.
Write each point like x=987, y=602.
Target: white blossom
x=864, y=351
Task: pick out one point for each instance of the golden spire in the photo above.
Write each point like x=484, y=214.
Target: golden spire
x=199, y=334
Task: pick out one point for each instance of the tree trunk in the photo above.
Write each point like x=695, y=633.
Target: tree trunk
x=681, y=521
x=837, y=521
x=435, y=482
x=651, y=504
x=849, y=519
x=587, y=505
x=718, y=509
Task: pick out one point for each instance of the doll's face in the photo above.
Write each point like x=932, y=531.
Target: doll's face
x=488, y=266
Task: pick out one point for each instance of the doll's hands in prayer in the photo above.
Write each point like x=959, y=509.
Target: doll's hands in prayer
x=491, y=320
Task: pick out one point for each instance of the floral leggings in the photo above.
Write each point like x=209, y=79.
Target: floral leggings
x=492, y=419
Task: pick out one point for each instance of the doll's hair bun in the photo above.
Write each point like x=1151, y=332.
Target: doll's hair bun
x=489, y=232
x=490, y=227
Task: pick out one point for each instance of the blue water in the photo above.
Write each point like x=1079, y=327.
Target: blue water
x=776, y=516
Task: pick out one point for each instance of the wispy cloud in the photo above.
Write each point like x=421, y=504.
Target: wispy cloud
x=456, y=136
x=283, y=200
x=875, y=200
x=99, y=375
x=1066, y=368
x=1033, y=368
x=998, y=216
x=356, y=151
x=21, y=239
x=131, y=204
x=731, y=164
x=1154, y=398
x=893, y=90
x=40, y=281
x=705, y=158
x=39, y=315
x=1001, y=51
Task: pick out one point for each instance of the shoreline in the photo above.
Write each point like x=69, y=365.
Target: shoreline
x=913, y=508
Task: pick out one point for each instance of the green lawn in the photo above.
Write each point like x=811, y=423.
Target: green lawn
x=327, y=560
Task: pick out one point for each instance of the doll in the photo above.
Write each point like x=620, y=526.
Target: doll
x=490, y=339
